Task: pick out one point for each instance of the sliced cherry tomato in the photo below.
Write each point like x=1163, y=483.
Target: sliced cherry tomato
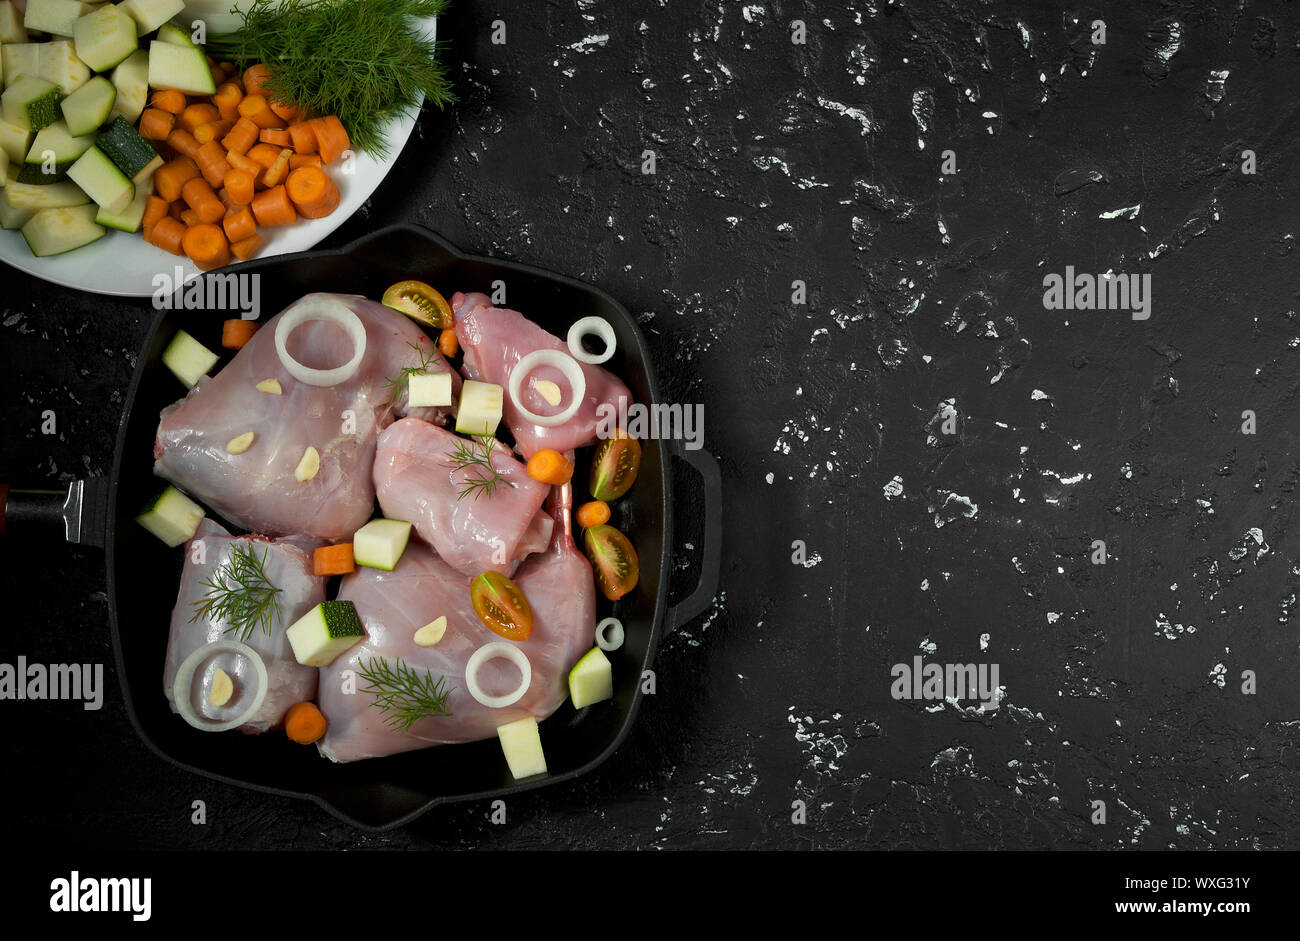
x=501, y=606
x=420, y=302
x=614, y=560
x=614, y=467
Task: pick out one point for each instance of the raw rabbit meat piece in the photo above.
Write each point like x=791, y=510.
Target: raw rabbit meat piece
x=474, y=533
x=494, y=339
x=287, y=566
x=394, y=605
x=256, y=489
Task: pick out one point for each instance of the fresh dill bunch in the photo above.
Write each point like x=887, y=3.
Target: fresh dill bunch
x=365, y=61
x=240, y=592
x=475, y=455
x=405, y=694
x=402, y=381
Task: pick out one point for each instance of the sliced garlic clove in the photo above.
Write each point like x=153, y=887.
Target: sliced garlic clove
x=223, y=687
x=432, y=632
x=270, y=385
x=309, y=465
x=240, y=444
x=548, y=390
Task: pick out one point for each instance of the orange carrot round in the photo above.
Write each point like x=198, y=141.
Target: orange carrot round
x=167, y=233
x=256, y=109
x=239, y=224
x=198, y=195
x=448, y=345
x=241, y=137
x=278, y=136
x=183, y=142
x=273, y=207
x=156, y=124
x=155, y=208
x=255, y=78
x=304, y=723
x=201, y=112
x=247, y=248
x=213, y=130
x=285, y=112
x=550, y=467
x=211, y=160
x=334, y=560
x=304, y=138
x=171, y=176
x=331, y=138
x=310, y=187
x=593, y=513
x=227, y=100
x=235, y=334
x=206, y=246
x=170, y=100
x=239, y=184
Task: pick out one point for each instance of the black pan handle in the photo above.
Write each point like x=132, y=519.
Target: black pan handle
x=698, y=601
x=80, y=511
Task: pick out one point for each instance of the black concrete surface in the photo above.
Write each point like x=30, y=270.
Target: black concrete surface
x=822, y=163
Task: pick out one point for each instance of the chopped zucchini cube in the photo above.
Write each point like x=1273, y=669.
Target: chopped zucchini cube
x=22, y=59
x=12, y=29
x=52, y=16
x=380, y=543
x=522, y=744
x=428, y=390
x=151, y=14
x=479, y=412
x=591, y=679
x=180, y=67
x=104, y=38
x=101, y=180
x=55, y=231
x=188, y=359
x=324, y=632
x=31, y=103
x=59, y=64
x=172, y=517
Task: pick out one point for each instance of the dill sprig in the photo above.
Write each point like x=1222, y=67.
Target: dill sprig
x=366, y=61
x=475, y=456
x=405, y=694
x=402, y=381
x=240, y=592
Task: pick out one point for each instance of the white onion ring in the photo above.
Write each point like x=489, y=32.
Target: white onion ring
x=599, y=326
x=565, y=364
x=185, y=677
x=503, y=651
x=320, y=309
x=605, y=643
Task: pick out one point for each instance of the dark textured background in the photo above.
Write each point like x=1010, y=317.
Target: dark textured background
x=779, y=162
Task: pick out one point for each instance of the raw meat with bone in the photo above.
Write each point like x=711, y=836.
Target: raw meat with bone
x=416, y=481
x=257, y=489
x=495, y=339
x=394, y=605
x=287, y=566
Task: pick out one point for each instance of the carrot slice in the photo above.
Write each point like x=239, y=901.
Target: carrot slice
x=448, y=345
x=247, y=248
x=278, y=136
x=196, y=114
x=211, y=158
x=593, y=513
x=309, y=186
x=334, y=560
x=256, y=109
x=273, y=207
x=171, y=101
x=235, y=334
x=206, y=245
x=304, y=138
x=213, y=130
x=256, y=77
x=283, y=111
x=304, y=723
x=175, y=208
x=331, y=138
x=241, y=162
x=167, y=233
x=190, y=218
x=550, y=467
x=239, y=224
x=183, y=142
x=304, y=160
x=156, y=124
x=278, y=170
x=227, y=100
x=155, y=208
x=198, y=195
x=241, y=137
x=239, y=184
x=170, y=177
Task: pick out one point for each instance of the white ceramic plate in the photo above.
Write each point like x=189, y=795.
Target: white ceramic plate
x=124, y=264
